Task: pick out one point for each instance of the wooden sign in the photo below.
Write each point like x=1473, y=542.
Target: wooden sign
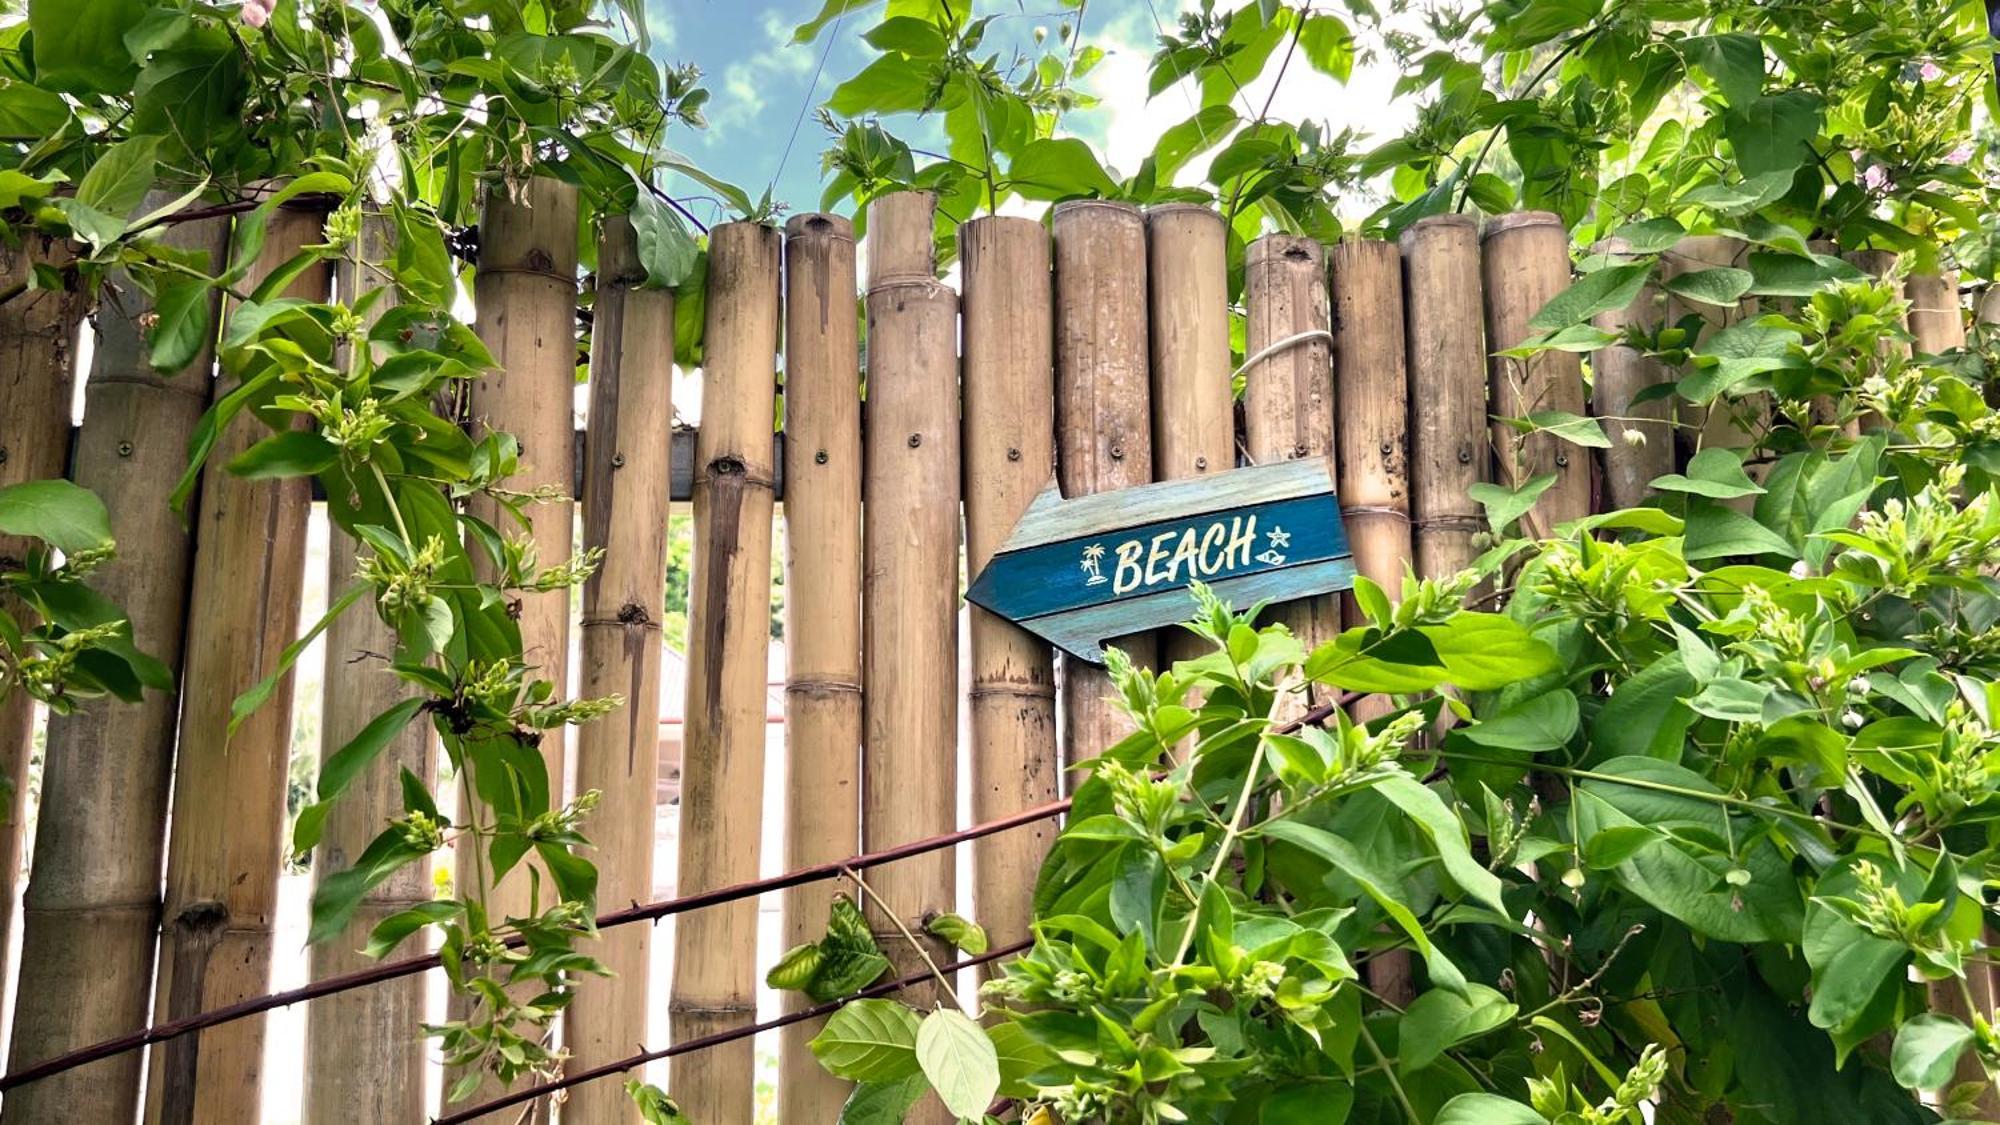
x=1080, y=572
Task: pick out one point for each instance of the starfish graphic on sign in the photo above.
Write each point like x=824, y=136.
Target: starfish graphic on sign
x=1079, y=572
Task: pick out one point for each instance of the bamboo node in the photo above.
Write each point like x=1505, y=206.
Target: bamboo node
x=1011, y=691
x=822, y=687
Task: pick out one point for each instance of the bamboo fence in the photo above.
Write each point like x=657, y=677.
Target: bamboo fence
x=1093, y=352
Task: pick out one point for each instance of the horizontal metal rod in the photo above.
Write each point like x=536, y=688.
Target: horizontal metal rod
x=717, y=1039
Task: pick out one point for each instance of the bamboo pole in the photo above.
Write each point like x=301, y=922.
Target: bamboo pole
x=625, y=502
x=1371, y=383
x=92, y=907
x=822, y=610
x=1288, y=397
x=729, y=637
x=361, y=1059
x=1447, y=365
x=1194, y=409
x=1524, y=262
x=910, y=541
x=525, y=295
x=1937, y=319
x=1103, y=434
x=1009, y=439
x=38, y=330
x=224, y=846
x=1937, y=325
x=1642, y=436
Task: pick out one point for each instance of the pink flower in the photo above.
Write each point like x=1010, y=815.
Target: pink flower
x=257, y=13
x=1959, y=155
x=1930, y=72
x=1875, y=177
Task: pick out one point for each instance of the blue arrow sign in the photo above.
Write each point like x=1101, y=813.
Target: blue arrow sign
x=1080, y=572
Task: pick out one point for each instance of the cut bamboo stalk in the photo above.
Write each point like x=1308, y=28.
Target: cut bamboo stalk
x=1371, y=384
x=91, y=913
x=1937, y=319
x=625, y=505
x=525, y=294
x=1989, y=313
x=1194, y=409
x=38, y=331
x=224, y=848
x=1620, y=373
x=1288, y=398
x=360, y=1060
x=1447, y=365
x=1524, y=263
x=1009, y=438
x=1103, y=429
x=1724, y=424
x=729, y=637
x=910, y=542
x=822, y=611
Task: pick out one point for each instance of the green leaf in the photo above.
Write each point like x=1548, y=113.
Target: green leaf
x=964, y=934
x=883, y=1103
x=66, y=516
x=1715, y=472
x=1615, y=845
x=390, y=932
x=1059, y=168
x=1572, y=428
x=339, y=769
x=919, y=39
x=1770, y=134
x=1744, y=196
x=1180, y=142
x=1488, y=651
x=1486, y=1109
x=1328, y=46
x=1439, y=1020
x=247, y=703
x=1650, y=236
x=185, y=326
x=1504, y=506
x=1734, y=62
x=1721, y=286
x=1542, y=722
x=832, y=10
x=80, y=44
x=960, y=1062
x=1447, y=833
x=890, y=84
x=1926, y=1050
x=1715, y=532
x=292, y=453
x=653, y=1104
x=1793, y=275
x=1645, y=716
x=1350, y=862
x=869, y=1041
x=117, y=183
x=666, y=249
x=1612, y=287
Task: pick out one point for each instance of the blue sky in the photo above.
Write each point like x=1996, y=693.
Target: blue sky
x=759, y=80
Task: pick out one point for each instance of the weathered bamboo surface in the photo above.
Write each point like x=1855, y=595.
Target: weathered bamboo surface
x=1288, y=397
x=1449, y=452
x=910, y=543
x=1009, y=437
x=729, y=637
x=1937, y=318
x=1371, y=383
x=37, y=358
x=624, y=514
x=224, y=848
x=823, y=688
x=525, y=293
x=1103, y=413
x=1525, y=262
x=91, y=911
x=1194, y=410
x=1642, y=435
x=361, y=1059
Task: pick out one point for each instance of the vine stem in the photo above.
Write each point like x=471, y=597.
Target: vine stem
x=868, y=892
x=1389, y=1072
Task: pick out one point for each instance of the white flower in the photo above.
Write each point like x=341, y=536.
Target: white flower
x=1801, y=570
x=1851, y=719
